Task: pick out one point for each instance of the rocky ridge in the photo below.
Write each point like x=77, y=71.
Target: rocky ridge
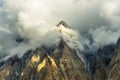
x=64, y=63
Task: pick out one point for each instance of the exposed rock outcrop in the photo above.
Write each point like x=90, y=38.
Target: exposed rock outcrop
x=108, y=67
x=62, y=64
x=113, y=70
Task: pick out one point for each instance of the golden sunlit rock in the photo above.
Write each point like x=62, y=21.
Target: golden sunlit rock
x=52, y=62
x=35, y=58
x=41, y=65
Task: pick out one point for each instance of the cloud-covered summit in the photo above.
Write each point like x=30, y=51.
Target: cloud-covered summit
x=34, y=22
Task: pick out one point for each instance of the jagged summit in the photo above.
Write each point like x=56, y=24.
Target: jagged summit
x=66, y=61
x=63, y=23
x=62, y=64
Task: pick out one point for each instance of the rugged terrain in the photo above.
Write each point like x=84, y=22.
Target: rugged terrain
x=63, y=63
x=60, y=64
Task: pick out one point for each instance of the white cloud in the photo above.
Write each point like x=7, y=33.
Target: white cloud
x=34, y=21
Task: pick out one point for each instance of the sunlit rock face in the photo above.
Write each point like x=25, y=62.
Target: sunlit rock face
x=66, y=61
x=62, y=64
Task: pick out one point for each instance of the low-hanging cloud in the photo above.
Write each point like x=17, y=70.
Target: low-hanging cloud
x=35, y=20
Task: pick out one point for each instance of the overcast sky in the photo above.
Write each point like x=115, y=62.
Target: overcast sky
x=35, y=21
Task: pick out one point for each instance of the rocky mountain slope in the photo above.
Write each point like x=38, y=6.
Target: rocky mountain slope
x=109, y=68
x=64, y=62
x=60, y=64
x=54, y=63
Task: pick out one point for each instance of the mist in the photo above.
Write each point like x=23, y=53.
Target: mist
x=34, y=22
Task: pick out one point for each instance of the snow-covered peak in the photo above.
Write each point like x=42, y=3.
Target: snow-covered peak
x=71, y=37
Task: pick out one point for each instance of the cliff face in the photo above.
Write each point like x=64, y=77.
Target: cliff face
x=108, y=68
x=113, y=70
x=62, y=63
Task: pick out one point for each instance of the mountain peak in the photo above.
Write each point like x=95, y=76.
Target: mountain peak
x=63, y=23
x=62, y=64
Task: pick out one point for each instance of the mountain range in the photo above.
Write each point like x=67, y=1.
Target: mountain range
x=67, y=61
